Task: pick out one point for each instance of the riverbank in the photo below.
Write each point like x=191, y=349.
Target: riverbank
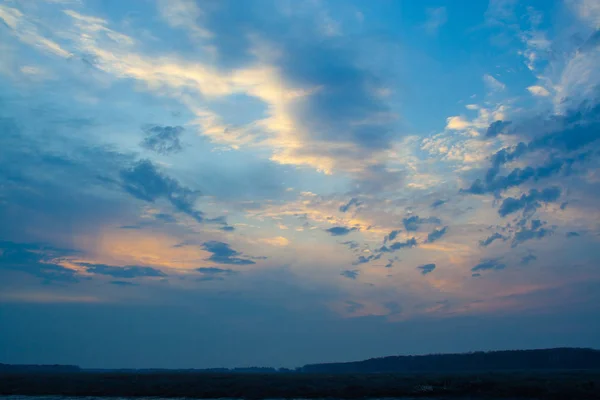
x=581, y=385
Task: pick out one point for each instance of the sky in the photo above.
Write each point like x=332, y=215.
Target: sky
x=279, y=182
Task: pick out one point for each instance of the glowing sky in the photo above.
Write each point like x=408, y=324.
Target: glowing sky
x=275, y=182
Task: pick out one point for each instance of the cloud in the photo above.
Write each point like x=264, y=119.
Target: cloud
x=412, y=242
x=490, y=239
x=529, y=202
x=438, y=203
x=528, y=259
x=163, y=140
x=125, y=272
x=122, y=283
x=224, y=254
x=426, y=269
x=572, y=234
x=534, y=231
x=393, y=307
x=37, y=260
x=276, y=241
x=436, y=18
x=145, y=182
x=412, y=223
x=366, y=259
x=489, y=264
x=493, y=84
x=323, y=105
x=351, y=244
x=350, y=274
x=215, y=273
x=339, y=230
x=496, y=184
x=377, y=177
x=539, y=91
x=496, y=128
x=457, y=123
x=165, y=217
x=392, y=235
x=437, y=234
x=28, y=33
x=559, y=140
x=353, y=202
x=353, y=306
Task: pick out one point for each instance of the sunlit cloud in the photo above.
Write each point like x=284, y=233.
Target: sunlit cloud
x=269, y=161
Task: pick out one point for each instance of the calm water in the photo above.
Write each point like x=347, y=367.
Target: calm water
x=168, y=398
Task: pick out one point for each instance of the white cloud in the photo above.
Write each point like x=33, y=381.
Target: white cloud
x=457, y=123
x=27, y=32
x=276, y=241
x=436, y=18
x=538, y=91
x=588, y=11
x=493, y=84
x=183, y=14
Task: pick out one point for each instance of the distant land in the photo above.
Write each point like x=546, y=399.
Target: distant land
x=550, y=374
x=540, y=359
x=543, y=359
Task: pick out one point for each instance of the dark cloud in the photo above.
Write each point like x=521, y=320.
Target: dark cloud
x=162, y=139
x=572, y=234
x=227, y=228
x=352, y=245
x=37, y=260
x=339, y=230
x=534, y=231
x=426, y=269
x=529, y=202
x=126, y=272
x=351, y=274
x=564, y=141
x=215, y=271
x=496, y=128
x=224, y=254
x=345, y=110
x=518, y=176
x=489, y=264
x=390, y=264
x=392, y=235
x=437, y=234
x=490, y=239
x=412, y=223
x=353, y=202
x=145, y=182
x=576, y=129
x=412, y=242
x=438, y=203
x=528, y=259
x=364, y=260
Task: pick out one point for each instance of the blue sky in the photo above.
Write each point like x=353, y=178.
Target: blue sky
x=200, y=183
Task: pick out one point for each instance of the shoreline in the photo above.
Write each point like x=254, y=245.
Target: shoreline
x=582, y=385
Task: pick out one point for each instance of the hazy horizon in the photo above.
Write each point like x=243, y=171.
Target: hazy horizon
x=198, y=183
